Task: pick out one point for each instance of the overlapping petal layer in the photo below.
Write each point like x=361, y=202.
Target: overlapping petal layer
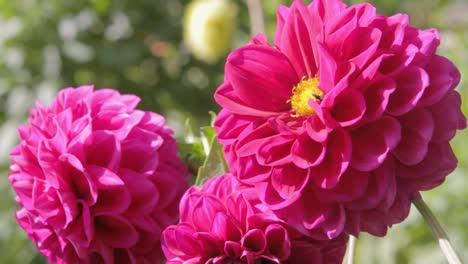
x=97, y=180
x=223, y=223
x=380, y=126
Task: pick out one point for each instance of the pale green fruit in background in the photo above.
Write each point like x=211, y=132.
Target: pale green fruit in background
x=209, y=26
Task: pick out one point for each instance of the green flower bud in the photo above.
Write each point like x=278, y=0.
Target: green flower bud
x=209, y=26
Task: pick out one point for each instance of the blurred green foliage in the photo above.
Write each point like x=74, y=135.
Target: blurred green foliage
x=137, y=47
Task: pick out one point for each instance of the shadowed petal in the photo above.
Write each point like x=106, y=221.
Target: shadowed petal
x=372, y=143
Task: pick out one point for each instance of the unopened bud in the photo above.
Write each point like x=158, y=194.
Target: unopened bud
x=209, y=26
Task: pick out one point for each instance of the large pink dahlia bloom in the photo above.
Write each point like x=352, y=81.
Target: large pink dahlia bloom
x=223, y=223
x=97, y=180
x=343, y=121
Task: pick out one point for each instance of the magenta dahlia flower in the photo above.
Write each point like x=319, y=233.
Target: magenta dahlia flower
x=97, y=180
x=223, y=222
x=343, y=121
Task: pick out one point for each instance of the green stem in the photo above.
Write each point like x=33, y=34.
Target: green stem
x=437, y=231
x=351, y=250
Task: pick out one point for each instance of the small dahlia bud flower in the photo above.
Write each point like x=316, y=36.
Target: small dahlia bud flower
x=209, y=27
x=222, y=222
x=343, y=120
x=96, y=179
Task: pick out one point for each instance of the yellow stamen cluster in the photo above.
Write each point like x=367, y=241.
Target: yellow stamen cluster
x=305, y=90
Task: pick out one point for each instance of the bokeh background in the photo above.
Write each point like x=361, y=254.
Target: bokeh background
x=137, y=46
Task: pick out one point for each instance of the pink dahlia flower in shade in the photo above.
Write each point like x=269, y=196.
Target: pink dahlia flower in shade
x=343, y=120
x=224, y=222
x=97, y=180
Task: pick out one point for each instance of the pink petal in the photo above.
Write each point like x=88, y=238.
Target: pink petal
x=274, y=151
x=431, y=172
x=113, y=196
x=278, y=241
x=140, y=151
x=179, y=241
x=204, y=211
x=103, y=150
x=224, y=229
x=227, y=97
x=287, y=126
x=259, y=39
x=411, y=85
x=444, y=76
x=323, y=10
x=252, y=172
x=327, y=69
x=381, y=189
x=47, y=158
x=187, y=203
x=144, y=195
x=289, y=181
x=269, y=196
x=236, y=125
x=233, y=249
x=394, y=63
x=447, y=117
x=296, y=42
x=368, y=40
x=377, y=97
x=307, y=152
x=426, y=42
x=254, y=241
x=80, y=181
x=328, y=173
x=303, y=252
x=325, y=222
x=123, y=256
x=82, y=230
x=281, y=16
x=239, y=208
x=417, y=130
x=266, y=69
x=351, y=186
x=316, y=130
x=256, y=136
x=372, y=143
x=115, y=231
x=349, y=108
x=393, y=28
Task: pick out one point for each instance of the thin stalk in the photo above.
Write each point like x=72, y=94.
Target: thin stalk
x=437, y=231
x=351, y=250
x=257, y=24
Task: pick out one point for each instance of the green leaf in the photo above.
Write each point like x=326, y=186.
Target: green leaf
x=189, y=136
x=214, y=165
x=193, y=155
x=207, y=134
x=213, y=117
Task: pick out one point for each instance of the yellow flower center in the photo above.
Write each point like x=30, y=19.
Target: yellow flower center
x=305, y=90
